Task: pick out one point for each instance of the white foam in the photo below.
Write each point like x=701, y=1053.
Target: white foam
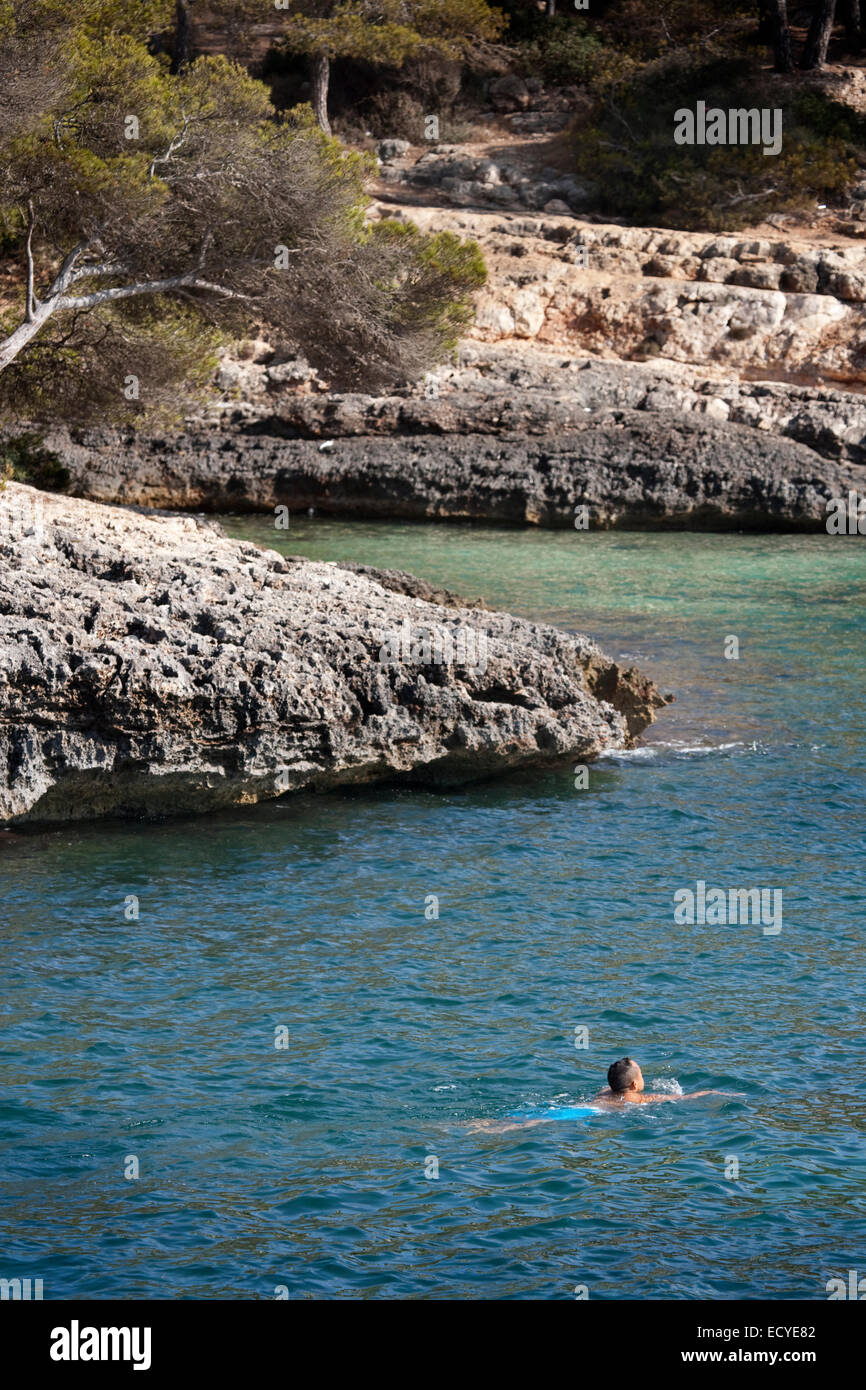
x=702, y=749
x=628, y=755
x=668, y=1085
x=674, y=748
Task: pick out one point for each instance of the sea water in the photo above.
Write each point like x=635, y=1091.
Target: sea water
x=240, y=1058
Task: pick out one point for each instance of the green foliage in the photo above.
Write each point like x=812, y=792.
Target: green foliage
x=169, y=348
x=389, y=32
x=566, y=52
x=24, y=458
x=437, y=275
x=651, y=29
x=94, y=19
x=629, y=154
x=174, y=233
x=826, y=119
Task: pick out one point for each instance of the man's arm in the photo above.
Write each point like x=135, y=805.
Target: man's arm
x=690, y=1095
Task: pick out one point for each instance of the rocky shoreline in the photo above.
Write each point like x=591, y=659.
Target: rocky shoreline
x=658, y=379
x=623, y=468
x=151, y=666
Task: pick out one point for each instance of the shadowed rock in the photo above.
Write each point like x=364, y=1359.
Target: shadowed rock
x=628, y=467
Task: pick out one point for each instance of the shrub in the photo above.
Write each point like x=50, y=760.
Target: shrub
x=24, y=458
x=396, y=114
x=566, y=53
x=648, y=29
x=628, y=152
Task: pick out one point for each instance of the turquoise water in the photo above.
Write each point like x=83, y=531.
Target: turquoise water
x=304, y=1167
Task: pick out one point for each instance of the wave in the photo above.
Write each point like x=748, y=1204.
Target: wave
x=702, y=750
x=628, y=755
x=673, y=748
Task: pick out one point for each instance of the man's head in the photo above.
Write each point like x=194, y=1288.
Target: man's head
x=624, y=1075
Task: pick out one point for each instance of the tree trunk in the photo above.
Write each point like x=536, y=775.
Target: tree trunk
x=780, y=32
x=765, y=21
x=551, y=8
x=182, y=48
x=818, y=38
x=25, y=332
x=320, y=72
x=852, y=15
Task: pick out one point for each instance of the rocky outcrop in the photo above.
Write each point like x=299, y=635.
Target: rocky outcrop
x=779, y=309
x=465, y=178
x=627, y=468
x=494, y=389
x=581, y=317
x=150, y=665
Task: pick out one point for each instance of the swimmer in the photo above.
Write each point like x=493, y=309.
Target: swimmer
x=625, y=1084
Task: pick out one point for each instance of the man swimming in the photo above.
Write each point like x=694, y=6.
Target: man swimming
x=625, y=1084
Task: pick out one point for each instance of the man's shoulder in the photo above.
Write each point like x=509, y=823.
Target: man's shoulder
x=606, y=1097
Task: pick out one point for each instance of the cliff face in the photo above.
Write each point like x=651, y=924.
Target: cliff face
x=149, y=665
x=728, y=306
x=656, y=378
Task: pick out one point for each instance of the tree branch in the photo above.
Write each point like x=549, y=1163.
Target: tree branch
x=94, y=272
x=64, y=276
x=189, y=280
x=174, y=144
x=57, y=301
x=31, y=301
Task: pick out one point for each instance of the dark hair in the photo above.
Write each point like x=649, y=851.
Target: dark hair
x=621, y=1074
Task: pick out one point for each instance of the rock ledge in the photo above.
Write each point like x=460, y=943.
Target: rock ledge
x=151, y=666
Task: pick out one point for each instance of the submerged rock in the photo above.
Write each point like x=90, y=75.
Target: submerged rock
x=150, y=665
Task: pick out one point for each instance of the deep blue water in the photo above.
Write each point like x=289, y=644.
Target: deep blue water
x=304, y=1167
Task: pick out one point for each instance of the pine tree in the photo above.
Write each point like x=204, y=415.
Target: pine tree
x=145, y=213
x=818, y=38
x=386, y=32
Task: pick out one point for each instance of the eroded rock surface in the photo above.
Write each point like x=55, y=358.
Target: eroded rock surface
x=150, y=665
x=628, y=468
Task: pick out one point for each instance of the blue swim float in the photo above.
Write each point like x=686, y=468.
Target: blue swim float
x=555, y=1112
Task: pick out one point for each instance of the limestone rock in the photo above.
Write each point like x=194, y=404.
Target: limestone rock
x=149, y=665
x=631, y=467
x=392, y=149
